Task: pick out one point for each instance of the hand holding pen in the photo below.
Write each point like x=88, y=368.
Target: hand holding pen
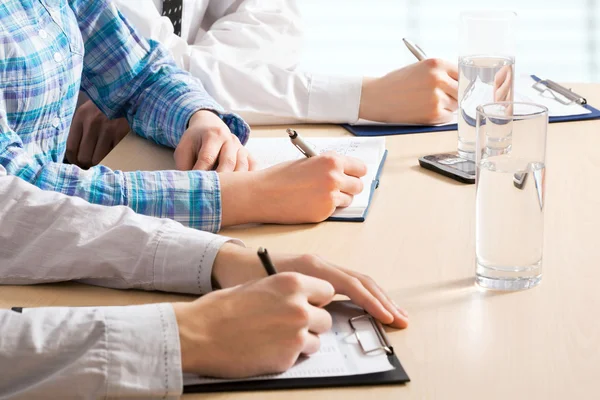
x=424, y=93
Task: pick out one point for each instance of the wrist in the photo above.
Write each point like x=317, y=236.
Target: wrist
x=186, y=342
x=240, y=198
x=236, y=265
x=202, y=115
x=367, y=105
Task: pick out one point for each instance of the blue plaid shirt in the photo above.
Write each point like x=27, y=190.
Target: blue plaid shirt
x=49, y=49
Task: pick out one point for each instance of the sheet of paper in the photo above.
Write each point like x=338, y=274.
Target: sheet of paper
x=340, y=353
x=524, y=88
x=524, y=92
x=271, y=151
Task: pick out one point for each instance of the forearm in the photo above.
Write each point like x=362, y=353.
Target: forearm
x=49, y=237
x=125, y=75
x=103, y=352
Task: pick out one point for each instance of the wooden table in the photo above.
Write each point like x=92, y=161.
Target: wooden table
x=418, y=242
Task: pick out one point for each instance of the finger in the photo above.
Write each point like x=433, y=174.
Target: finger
x=349, y=285
x=452, y=70
x=354, y=167
x=312, y=344
x=351, y=185
x=185, y=156
x=74, y=139
x=450, y=104
x=450, y=87
x=400, y=315
x=343, y=199
x=87, y=146
x=209, y=153
x=318, y=292
x=503, y=92
x=500, y=77
x=103, y=147
x=319, y=320
x=242, y=163
x=253, y=165
x=227, y=156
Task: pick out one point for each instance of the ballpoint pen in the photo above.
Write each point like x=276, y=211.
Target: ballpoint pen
x=300, y=144
x=568, y=93
x=265, y=259
x=416, y=50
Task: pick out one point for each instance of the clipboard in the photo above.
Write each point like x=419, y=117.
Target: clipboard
x=546, y=85
x=397, y=375
x=560, y=93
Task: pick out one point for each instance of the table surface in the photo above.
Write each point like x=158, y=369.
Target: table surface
x=418, y=242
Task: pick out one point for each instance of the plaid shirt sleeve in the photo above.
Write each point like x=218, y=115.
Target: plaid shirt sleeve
x=126, y=75
x=192, y=198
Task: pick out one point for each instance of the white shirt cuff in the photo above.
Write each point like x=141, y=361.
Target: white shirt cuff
x=184, y=260
x=143, y=352
x=334, y=99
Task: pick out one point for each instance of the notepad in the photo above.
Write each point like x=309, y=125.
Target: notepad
x=271, y=151
x=340, y=354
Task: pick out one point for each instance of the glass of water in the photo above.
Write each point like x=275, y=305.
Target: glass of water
x=510, y=159
x=486, y=68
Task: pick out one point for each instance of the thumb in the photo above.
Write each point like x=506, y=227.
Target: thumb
x=185, y=157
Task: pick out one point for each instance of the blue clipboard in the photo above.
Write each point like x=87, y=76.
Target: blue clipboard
x=374, y=185
x=387, y=130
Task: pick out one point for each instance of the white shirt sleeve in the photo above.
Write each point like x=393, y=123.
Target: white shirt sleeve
x=50, y=237
x=247, y=61
x=90, y=353
x=104, y=352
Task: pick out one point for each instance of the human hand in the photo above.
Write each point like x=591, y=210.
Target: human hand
x=257, y=328
x=208, y=144
x=503, y=84
x=421, y=93
x=235, y=265
x=93, y=135
x=301, y=191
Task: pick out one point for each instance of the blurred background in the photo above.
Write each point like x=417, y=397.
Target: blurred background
x=557, y=39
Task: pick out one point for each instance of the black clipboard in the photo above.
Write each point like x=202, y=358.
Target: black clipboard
x=395, y=376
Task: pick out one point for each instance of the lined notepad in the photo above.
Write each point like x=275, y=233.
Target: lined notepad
x=340, y=353
x=271, y=151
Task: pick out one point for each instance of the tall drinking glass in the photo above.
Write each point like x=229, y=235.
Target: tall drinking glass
x=510, y=159
x=486, y=68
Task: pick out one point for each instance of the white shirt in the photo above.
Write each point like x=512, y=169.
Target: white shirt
x=95, y=352
x=246, y=53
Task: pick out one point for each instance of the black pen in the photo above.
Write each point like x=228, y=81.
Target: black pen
x=266, y=261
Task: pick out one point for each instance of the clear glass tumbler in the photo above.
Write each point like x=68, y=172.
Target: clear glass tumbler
x=486, y=68
x=510, y=159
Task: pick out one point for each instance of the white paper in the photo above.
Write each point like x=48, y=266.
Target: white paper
x=271, y=151
x=526, y=93
x=340, y=353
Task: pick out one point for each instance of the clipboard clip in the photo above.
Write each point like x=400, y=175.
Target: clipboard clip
x=384, y=343
x=565, y=95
